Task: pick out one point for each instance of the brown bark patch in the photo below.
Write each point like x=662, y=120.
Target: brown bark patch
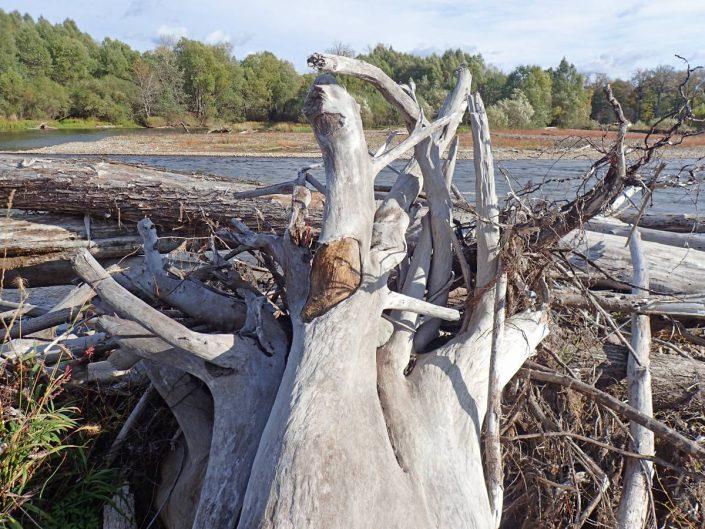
x=328, y=124
x=336, y=274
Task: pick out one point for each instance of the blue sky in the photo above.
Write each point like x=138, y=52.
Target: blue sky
x=612, y=36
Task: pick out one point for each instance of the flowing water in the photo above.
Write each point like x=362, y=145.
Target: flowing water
x=32, y=139
x=553, y=180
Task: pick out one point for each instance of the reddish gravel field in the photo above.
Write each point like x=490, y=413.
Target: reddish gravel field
x=508, y=144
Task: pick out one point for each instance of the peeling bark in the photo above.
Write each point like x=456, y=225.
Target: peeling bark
x=126, y=193
x=336, y=273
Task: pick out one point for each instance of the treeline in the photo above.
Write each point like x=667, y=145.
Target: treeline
x=56, y=71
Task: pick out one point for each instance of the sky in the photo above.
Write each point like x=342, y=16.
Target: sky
x=614, y=37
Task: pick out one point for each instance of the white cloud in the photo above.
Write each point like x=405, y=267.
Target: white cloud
x=617, y=37
x=218, y=37
x=172, y=32
x=139, y=7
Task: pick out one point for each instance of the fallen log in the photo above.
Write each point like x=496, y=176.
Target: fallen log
x=39, y=248
x=126, y=193
x=677, y=222
x=49, y=352
x=12, y=309
x=606, y=261
x=677, y=381
x=45, y=321
x=619, y=302
x=694, y=241
x=24, y=233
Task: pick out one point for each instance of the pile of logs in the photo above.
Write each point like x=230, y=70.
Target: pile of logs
x=61, y=209
x=329, y=349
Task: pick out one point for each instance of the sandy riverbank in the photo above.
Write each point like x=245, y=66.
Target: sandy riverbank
x=510, y=144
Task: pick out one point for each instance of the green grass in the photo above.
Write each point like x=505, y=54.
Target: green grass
x=7, y=125
x=45, y=477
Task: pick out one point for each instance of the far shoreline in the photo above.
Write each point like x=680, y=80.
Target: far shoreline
x=500, y=154
x=538, y=144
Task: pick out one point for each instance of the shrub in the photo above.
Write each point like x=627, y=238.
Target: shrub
x=660, y=126
x=517, y=110
x=497, y=118
x=32, y=430
x=36, y=434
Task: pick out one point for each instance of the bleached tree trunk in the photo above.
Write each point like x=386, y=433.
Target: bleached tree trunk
x=634, y=503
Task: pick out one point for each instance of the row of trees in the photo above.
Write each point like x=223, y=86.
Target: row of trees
x=57, y=71
x=529, y=96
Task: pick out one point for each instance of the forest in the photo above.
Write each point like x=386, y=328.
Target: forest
x=57, y=72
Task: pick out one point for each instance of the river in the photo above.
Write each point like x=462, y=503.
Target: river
x=36, y=139
x=555, y=180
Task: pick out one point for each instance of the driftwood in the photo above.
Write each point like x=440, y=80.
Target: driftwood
x=183, y=470
x=120, y=513
x=38, y=248
x=45, y=321
x=488, y=237
x=675, y=222
x=341, y=386
x=67, y=310
x=50, y=352
x=691, y=307
x=247, y=380
x=694, y=241
x=188, y=295
x=126, y=193
x=127, y=426
x=676, y=380
x=672, y=270
x=13, y=309
x=634, y=503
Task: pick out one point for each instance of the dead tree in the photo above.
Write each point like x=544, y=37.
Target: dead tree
x=352, y=438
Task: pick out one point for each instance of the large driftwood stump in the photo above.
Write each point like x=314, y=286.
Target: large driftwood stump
x=351, y=439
